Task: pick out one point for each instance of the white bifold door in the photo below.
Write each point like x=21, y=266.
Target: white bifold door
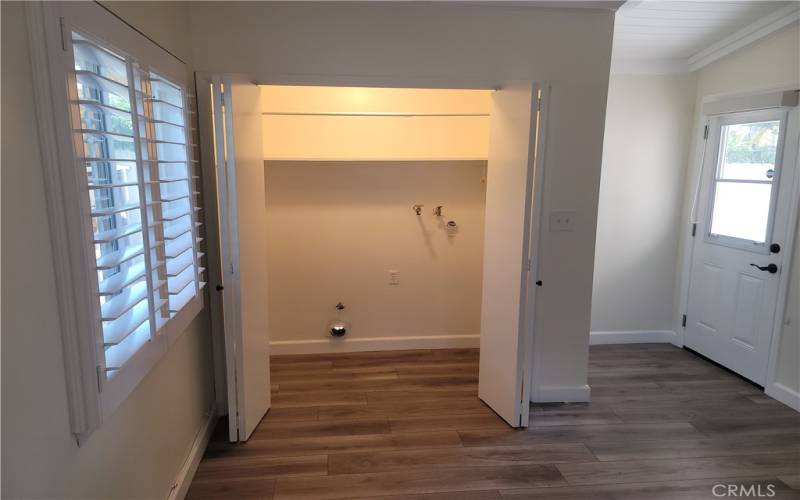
x=513, y=207
x=745, y=214
x=239, y=164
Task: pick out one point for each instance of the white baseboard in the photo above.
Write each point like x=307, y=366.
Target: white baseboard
x=785, y=395
x=355, y=344
x=185, y=475
x=633, y=337
x=563, y=394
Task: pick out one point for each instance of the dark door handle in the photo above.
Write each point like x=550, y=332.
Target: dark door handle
x=772, y=268
x=220, y=288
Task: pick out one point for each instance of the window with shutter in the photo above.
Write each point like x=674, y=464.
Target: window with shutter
x=135, y=143
x=124, y=199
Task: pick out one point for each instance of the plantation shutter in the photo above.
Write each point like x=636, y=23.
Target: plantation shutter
x=132, y=130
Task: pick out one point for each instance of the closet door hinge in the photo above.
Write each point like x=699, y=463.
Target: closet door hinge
x=63, y=34
x=694, y=229
x=99, y=380
x=538, y=104
x=683, y=321
x=705, y=132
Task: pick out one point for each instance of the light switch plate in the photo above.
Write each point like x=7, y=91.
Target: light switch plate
x=562, y=220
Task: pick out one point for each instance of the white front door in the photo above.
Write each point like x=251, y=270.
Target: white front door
x=239, y=162
x=745, y=212
x=504, y=339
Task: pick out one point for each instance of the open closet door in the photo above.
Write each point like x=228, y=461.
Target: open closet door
x=505, y=342
x=239, y=160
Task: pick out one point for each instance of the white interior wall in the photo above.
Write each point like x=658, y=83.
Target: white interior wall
x=336, y=229
x=456, y=45
x=370, y=135
x=645, y=154
x=140, y=449
x=770, y=63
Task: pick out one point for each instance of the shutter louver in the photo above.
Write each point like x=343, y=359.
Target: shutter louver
x=131, y=130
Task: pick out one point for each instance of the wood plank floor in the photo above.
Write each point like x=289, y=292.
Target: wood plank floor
x=407, y=425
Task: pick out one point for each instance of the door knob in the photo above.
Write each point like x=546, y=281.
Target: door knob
x=220, y=288
x=772, y=268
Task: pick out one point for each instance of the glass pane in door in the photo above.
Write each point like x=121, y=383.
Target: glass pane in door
x=743, y=184
x=748, y=151
x=741, y=210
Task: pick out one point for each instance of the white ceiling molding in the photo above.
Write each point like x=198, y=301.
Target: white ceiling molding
x=746, y=36
x=648, y=66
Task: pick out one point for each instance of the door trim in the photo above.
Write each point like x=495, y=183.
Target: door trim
x=531, y=372
x=203, y=82
x=695, y=174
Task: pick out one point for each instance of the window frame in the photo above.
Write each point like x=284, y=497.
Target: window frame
x=92, y=396
x=717, y=125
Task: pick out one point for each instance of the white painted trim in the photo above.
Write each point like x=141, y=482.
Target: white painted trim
x=746, y=36
x=212, y=225
x=633, y=337
x=72, y=290
x=784, y=394
x=751, y=102
x=792, y=239
x=694, y=174
x=350, y=344
x=532, y=373
x=648, y=66
x=180, y=487
x=563, y=394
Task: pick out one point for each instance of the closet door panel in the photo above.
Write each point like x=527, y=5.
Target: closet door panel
x=246, y=172
x=508, y=199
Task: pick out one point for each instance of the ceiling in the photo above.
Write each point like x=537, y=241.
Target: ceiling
x=660, y=36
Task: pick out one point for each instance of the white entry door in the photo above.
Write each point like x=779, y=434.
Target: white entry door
x=239, y=161
x=745, y=213
x=505, y=340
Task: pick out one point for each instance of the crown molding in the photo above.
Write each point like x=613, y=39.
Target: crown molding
x=746, y=36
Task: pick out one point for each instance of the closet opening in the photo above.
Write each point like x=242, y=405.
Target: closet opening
x=378, y=241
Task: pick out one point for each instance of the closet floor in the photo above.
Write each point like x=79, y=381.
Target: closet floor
x=403, y=425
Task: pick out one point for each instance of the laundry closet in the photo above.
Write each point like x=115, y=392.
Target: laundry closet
x=375, y=204
x=373, y=219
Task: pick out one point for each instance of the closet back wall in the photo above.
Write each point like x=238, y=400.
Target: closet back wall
x=344, y=166
x=336, y=229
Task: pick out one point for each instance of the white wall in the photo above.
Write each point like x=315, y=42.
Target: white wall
x=406, y=45
x=336, y=229
x=770, y=63
x=370, y=136
x=645, y=154
x=139, y=450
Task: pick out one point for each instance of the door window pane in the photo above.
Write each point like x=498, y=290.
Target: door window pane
x=748, y=150
x=741, y=210
x=744, y=180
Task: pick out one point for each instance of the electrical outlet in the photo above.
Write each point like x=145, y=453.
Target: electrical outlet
x=394, y=277
x=562, y=220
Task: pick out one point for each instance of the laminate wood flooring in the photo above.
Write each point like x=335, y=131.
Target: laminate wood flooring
x=408, y=425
